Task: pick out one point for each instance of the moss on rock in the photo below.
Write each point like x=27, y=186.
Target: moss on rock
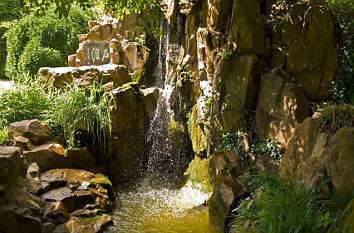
x=198, y=172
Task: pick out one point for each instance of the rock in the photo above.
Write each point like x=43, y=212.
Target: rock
x=126, y=143
x=230, y=183
x=56, y=211
x=59, y=177
x=208, y=43
x=150, y=97
x=198, y=134
x=89, y=225
x=32, y=178
x=21, y=211
x=246, y=32
x=9, y=163
x=72, y=200
x=339, y=160
x=303, y=161
x=236, y=83
x=47, y=227
x=198, y=173
x=281, y=107
x=47, y=156
x=80, y=158
x=170, y=10
x=188, y=6
x=132, y=55
x=306, y=47
x=23, y=143
x=217, y=14
x=100, y=32
x=72, y=60
x=56, y=77
x=36, y=131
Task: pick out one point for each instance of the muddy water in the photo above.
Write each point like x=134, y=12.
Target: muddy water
x=159, y=206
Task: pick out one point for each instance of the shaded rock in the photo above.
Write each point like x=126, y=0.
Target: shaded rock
x=47, y=156
x=89, y=225
x=306, y=47
x=35, y=130
x=236, y=82
x=132, y=55
x=230, y=183
x=47, y=227
x=126, y=144
x=281, y=107
x=246, y=32
x=23, y=143
x=72, y=200
x=21, y=211
x=32, y=177
x=9, y=163
x=339, y=160
x=59, y=177
x=56, y=211
x=80, y=158
x=303, y=161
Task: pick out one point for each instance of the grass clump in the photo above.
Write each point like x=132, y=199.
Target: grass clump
x=332, y=118
x=4, y=136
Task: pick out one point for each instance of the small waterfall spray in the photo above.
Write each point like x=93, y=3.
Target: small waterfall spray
x=165, y=148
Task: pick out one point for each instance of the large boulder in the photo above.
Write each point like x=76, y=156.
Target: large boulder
x=126, y=143
x=281, y=107
x=34, y=130
x=339, y=160
x=216, y=14
x=230, y=183
x=236, y=84
x=306, y=47
x=94, y=224
x=246, y=32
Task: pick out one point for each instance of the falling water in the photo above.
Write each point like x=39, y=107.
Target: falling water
x=157, y=203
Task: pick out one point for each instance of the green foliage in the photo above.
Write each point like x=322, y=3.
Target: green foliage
x=335, y=117
x=61, y=7
x=10, y=9
x=226, y=53
x=46, y=41
x=27, y=100
x=81, y=109
x=125, y=7
x=3, y=29
x=343, y=88
x=278, y=207
x=35, y=56
x=4, y=136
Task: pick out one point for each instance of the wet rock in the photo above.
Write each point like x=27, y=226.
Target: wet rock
x=230, y=183
x=9, y=163
x=199, y=135
x=198, y=173
x=35, y=130
x=339, y=160
x=170, y=10
x=281, y=107
x=89, y=225
x=305, y=46
x=126, y=143
x=150, y=98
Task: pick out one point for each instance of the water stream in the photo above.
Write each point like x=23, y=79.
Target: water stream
x=157, y=203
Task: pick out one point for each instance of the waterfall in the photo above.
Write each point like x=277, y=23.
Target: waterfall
x=164, y=155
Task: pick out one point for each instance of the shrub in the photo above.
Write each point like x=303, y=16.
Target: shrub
x=10, y=9
x=26, y=101
x=3, y=29
x=35, y=56
x=51, y=38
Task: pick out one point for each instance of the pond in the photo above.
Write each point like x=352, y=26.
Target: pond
x=160, y=206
